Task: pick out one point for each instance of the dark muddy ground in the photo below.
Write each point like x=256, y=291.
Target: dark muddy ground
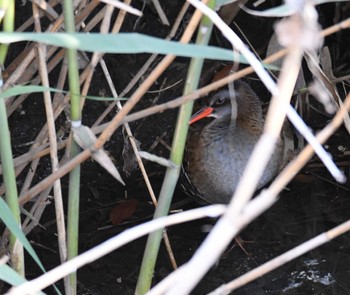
x=310, y=205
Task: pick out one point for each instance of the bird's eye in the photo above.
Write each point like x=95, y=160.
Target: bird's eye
x=220, y=101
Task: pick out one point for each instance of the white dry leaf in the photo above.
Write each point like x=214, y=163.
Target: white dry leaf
x=86, y=139
x=273, y=47
x=320, y=91
x=323, y=89
x=301, y=30
x=229, y=11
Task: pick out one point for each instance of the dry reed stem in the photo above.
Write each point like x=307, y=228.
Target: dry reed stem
x=46, y=9
x=33, y=155
x=147, y=64
x=116, y=28
x=16, y=69
x=175, y=103
x=80, y=17
x=96, y=55
x=226, y=228
x=160, y=12
x=19, y=100
x=95, y=20
x=269, y=196
x=58, y=98
x=104, y=29
x=190, y=273
x=19, y=68
x=305, y=155
x=19, y=73
x=30, y=21
x=325, y=75
x=201, y=92
x=29, y=178
x=59, y=210
x=123, y=6
x=216, y=85
x=330, y=131
x=140, y=163
x=115, y=123
x=114, y=243
x=31, y=173
x=41, y=138
x=282, y=259
x=120, y=19
x=33, y=216
x=283, y=178
x=29, y=156
x=42, y=151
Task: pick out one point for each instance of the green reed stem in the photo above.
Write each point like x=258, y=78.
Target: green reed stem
x=176, y=156
x=74, y=176
x=16, y=249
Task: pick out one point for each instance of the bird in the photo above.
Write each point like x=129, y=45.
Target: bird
x=218, y=149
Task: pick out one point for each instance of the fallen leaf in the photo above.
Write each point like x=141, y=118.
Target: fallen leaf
x=122, y=211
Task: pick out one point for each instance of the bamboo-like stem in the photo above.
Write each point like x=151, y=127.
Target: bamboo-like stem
x=7, y=24
x=74, y=176
x=108, y=11
x=225, y=228
x=73, y=217
x=115, y=123
x=176, y=155
x=131, y=234
x=25, y=74
x=140, y=163
x=116, y=28
x=16, y=249
x=17, y=258
x=114, y=243
x=146, y=65
x=61, y=231
x=160, y=108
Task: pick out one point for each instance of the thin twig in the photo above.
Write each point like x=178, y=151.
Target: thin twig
x=53, y=143
x=135, y=116
x=147, y=64
x=123, y=6
x=139, y=161
x=282, y=259
x=269, y=196
x=160, y=12
x=114, y=243
x=223, y=231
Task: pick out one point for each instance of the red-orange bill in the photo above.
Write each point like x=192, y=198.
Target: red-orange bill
x=202, y=113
